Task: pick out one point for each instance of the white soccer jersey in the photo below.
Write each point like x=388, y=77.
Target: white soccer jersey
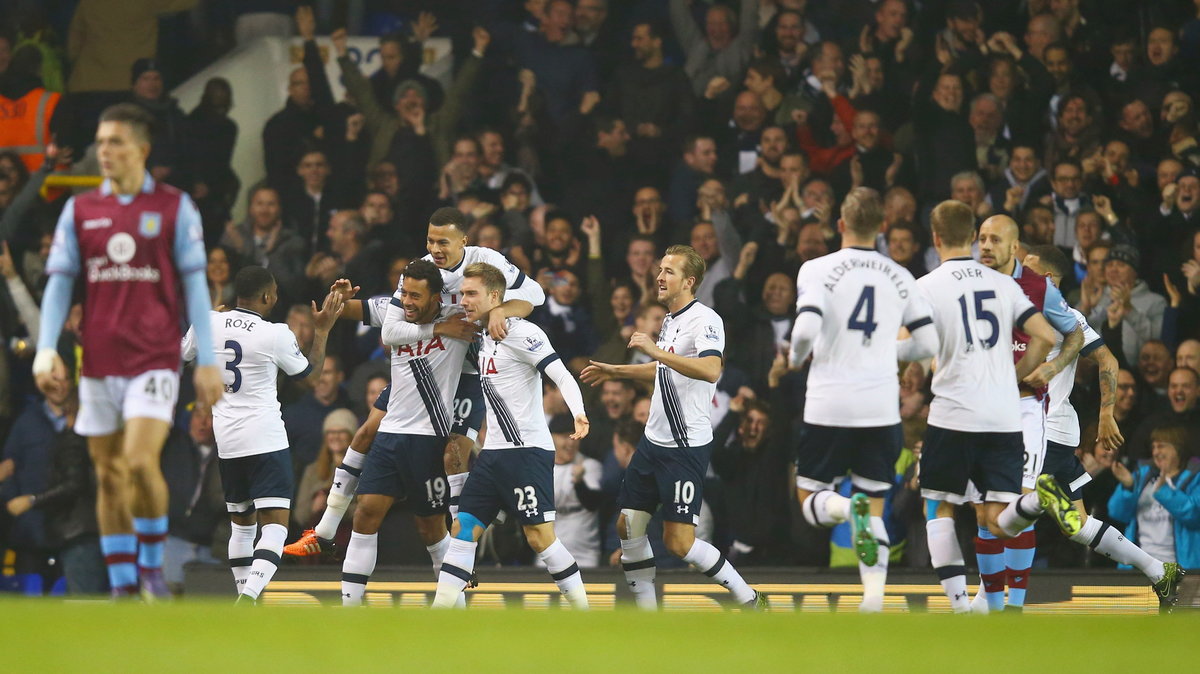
x=375, y=309
x=681, y=406
x=452, y=277
x=1062, y=422
x=975, y=383
x=863, y=298
x=247, y=421
x=424, y=378
x=510, y=374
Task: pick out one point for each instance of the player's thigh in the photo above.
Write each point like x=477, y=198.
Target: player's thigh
x=151, y=395
x=279, y=516
x=143, y=442
x=639, y=485
x=875, y=452
x=945, y=466
x=236, y=475
x=423, y=475
x=680, y=481
x=483, y=493
x=469, y=408
x=99, y=406
x=821, y=458
x=272, y=480
x=998, y=465
x=369, y=511
x=528, y=479
x=1064, y=466
x=1033, y=439
x=382, y=467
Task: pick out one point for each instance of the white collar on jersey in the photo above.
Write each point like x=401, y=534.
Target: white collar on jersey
x=247, y=311
x=147, y=185
x=685, y=308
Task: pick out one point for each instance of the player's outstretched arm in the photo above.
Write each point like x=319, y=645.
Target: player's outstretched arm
x=569, y=388
x=1048, y=370
x=397, y=331
x=922, y=342
x=323, y=320
x=1041, y=340
x=705, y=368
x=1107, y=432
x=597, y=373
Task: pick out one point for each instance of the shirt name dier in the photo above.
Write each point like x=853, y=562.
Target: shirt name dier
x=966, y=273
x=846, y=266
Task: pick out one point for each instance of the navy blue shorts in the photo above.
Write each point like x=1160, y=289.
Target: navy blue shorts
x=518, y=481
x=468, y=406
x=669, y=476
x=992, y=461
x=1062, y=463
x=258, y=482
x=381, y=401
x=408, y=467
x=825, y=454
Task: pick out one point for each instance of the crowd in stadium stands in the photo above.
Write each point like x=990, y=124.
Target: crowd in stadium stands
x=582, y=137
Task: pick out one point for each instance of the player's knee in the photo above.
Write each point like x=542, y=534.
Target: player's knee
x=368, y=515
x=679, y=540
x=431, y=529
x=539, y=537
x=632, y=523
x=465, y=526
x=142, y=464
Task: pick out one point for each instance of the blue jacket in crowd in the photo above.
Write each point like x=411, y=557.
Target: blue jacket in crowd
x=1183, y=502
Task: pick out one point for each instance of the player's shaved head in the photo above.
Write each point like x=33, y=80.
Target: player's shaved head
x=998, y=240
x=953, y=222
x=862, y=212
x=1003, y=225
x=251, y=281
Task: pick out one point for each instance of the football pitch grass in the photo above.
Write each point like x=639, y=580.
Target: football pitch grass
x=207, y=636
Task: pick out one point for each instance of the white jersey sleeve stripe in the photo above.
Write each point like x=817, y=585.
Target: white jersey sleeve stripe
x=504, y=418
x=809, y=307
x=428, y=388
x=918, y=324
x=672, y=407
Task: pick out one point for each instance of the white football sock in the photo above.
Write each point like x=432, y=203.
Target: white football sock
x=565, y=572
x=874, y=578
x=825, y=508
x=456, y=482
x=637, y=559
x=457, y=566
x=1109, y=542
x=947, y=559
x=358, y=567
x=709, y=561
x=241, y=553
x=266, y=559
x=1020, y=514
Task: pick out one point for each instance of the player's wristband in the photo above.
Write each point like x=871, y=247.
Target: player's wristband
x=43, y=362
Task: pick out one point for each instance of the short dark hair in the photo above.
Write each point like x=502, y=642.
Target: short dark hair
x=424, y=270
x=448, y=216
x=767, y=67
x=656, y=28
x=628, y=430
x=138, y=118
x=517, y=178
x=1053, y=258
x=1065, y=162
x=251, y=281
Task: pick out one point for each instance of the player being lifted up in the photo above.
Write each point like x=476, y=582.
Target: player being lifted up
x=850, y=306
x=142, y=244
x=252, y=444
x=406, y=458
x=446, y=242
x=1062, y=466
x=670, y=462
x=1012, y=559
x=515, y=469
x=974, y=432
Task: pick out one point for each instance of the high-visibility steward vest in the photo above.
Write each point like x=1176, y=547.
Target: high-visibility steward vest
x=25, y=125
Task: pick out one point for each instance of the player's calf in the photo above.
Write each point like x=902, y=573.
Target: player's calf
x=559, y=562
x=273, y=525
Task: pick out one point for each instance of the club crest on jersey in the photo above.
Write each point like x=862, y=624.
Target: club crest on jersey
x=150, y=225
x=710, y=333
x=533, y=343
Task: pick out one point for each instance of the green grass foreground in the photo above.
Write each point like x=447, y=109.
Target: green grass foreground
x=49, y=635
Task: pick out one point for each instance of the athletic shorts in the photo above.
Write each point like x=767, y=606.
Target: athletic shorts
x=1033, y=436
x=1062, y=463
x=105, y=403
x=469, y=409
x=258, y=481
x=518, y=481
x=669, y=476
x=952, y=459
x=408, y=467
x=825, y=454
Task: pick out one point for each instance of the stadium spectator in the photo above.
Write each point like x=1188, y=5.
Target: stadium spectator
x=903, y=246
x=1188, y=354
x=106, y=38
x=263, y=240
x=699, y=162
x=566, y=320
x=304, y=418
x=220, y=277
x=565, y=72
x=577, y=494
x=944, y=137
x=1183, y=412
x=1154, y=366
x=722, y=49
x=400, y=60
x=337, y=430
x=1128, y=313
x=197, y=516
x=1161, y=501
x=215, y=185
x=760, y=328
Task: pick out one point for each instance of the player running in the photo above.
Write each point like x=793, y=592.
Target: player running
x=974, y=432
x=1011, y=560
x=850, y=306
x=407, y=456
x=670, y=462
x=140, y=245
x=1062, y=466
x=515, y=470
x=446, y=241
x=252, y=445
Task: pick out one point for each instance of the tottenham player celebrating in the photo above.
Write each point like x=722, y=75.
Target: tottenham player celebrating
x=1062, y=466
x=252, y=445
x=974, y=432
x=141, y=241
x=446, y=242
x=372, y=312
x=1012, y=559
x=850, y=306
x=671, y=460
x=406, y=458
x=515, y=470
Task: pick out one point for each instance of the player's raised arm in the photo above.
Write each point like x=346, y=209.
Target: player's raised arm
x=1107, y=432
x=707, y=366
x=597, y=373
x=521, y=295
x=323, y=320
